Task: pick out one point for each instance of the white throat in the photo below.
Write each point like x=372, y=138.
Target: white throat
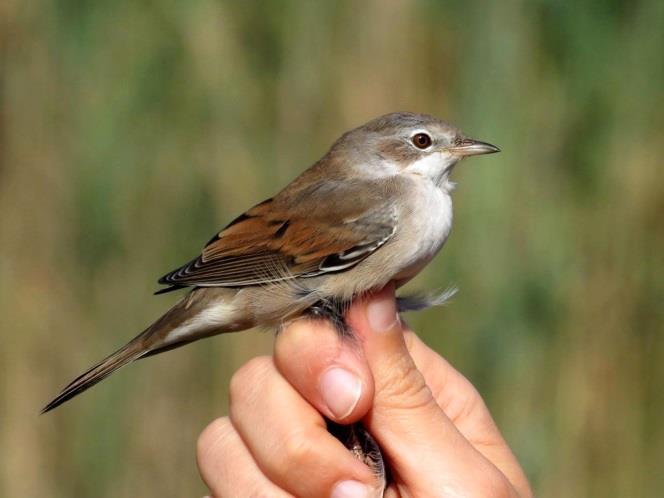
x=436, y=167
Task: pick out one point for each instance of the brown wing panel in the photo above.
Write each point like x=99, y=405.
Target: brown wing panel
x=268, y=244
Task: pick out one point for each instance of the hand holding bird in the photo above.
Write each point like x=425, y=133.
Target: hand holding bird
x=430, y=422
x=373, y=211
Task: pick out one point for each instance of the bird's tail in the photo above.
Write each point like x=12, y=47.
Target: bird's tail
x=178, y=326
x=126, y=354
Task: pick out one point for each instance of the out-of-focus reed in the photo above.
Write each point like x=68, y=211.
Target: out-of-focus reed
x=131, y=130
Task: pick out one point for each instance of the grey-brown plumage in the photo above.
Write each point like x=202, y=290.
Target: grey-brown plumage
x=375, y=208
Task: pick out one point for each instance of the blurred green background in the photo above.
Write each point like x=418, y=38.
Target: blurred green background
x=130, y=131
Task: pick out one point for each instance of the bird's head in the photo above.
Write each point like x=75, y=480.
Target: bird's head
x=409, y=143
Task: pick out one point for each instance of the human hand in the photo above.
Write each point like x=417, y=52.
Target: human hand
x=434, y=430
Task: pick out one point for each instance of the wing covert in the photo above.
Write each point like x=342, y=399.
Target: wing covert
x=274, y=242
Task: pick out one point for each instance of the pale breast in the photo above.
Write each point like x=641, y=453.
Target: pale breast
x=424, y=225
x=424, y=222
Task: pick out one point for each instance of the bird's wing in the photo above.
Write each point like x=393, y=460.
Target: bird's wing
x=293, y=236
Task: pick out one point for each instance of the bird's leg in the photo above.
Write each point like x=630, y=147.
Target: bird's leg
x=355, y=437
x=333, y=311
x=363, y=447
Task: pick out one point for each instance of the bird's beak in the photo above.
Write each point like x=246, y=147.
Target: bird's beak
x=470, y=147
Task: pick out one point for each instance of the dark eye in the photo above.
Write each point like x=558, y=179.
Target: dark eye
x=421, y=140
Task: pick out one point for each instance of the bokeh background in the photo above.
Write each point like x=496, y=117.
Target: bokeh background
x=131, y=130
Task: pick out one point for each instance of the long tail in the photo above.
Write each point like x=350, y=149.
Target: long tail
x=126, y=354
x=187, y=321
x=155, y=339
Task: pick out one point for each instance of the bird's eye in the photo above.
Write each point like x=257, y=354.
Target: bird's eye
x=421, y=140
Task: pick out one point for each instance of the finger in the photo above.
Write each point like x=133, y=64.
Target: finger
x=227, y=467
x=405, y=414
x=287, y=437
x=464, y=406
x=330, y=372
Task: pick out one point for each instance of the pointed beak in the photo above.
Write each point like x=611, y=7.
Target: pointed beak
x=470, y=147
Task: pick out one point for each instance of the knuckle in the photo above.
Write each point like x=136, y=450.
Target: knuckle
x=404, y=386
x=299, y=448
x=213, y=437
x=246, y=376
x=468, y=403
x=464, y=406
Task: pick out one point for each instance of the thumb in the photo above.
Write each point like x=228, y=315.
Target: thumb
x=399, y=385
x=425, y=449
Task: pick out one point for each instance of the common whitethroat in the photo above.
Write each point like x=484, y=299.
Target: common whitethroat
x=375, y=208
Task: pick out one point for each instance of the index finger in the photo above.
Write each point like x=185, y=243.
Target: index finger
x=329, y=371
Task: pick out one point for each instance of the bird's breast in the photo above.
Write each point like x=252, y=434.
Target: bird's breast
x=425, y=222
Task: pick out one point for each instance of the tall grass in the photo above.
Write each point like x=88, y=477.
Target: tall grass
x=131, y=130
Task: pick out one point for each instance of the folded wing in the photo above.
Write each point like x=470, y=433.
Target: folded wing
x=293, y=236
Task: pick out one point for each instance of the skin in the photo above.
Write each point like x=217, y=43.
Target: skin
x=435, y=431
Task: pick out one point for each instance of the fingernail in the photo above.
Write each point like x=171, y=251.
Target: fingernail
x=341, y=391
x=382, y=312
x=350, y=489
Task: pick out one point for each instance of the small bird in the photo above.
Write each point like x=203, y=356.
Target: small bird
x=375, y=208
